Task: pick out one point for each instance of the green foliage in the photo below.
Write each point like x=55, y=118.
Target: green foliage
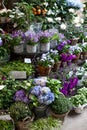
x=20, y=110
x=3, y=53
x=6, y=125
x=54, y=85
x=45, y=124
x=80, y=98
x=6, y=94
x=16, y=66
x=61, y=105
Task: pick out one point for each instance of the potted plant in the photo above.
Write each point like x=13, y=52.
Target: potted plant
x=31, y=42
x=17, y=41
x=45, y=64
x=44, y=39
x=41, y=97
x=21, y=114
x=84, y=50
x=56, y=57
x=60, y=107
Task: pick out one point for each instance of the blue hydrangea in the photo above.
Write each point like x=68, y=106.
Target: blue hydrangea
x=36, y=90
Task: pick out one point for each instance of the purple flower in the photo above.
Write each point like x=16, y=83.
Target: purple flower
x=67, y=57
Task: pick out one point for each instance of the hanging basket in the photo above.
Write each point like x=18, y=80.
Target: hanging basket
x=43, y=71
x=19, y=49
x=31, y=49
x=44, y=47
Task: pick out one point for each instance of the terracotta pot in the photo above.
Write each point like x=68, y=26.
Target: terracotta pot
x=43, y=71
x=56, y=66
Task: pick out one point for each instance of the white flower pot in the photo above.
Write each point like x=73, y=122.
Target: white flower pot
x=44, y=47
x=53, y=44
x=19, y=48
x=31, y=49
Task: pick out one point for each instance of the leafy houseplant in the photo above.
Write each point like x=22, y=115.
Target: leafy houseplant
x=61, y=105
x=7, y=125
x=54, y=85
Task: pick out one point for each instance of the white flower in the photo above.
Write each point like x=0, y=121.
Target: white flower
x=70, y=73
x=82, y=20
x=84, y=5
x=49, y=12
x=76, y=20
x=63, y=26
x=50, y=20
x=1, y=87
x=45, y=3
x=58, y=18
x=71, y=10
x=77, y=25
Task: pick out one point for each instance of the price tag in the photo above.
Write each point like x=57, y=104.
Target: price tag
x=27, y=60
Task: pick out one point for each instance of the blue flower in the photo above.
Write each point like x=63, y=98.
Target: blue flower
x=74, y=3
x=36, y=90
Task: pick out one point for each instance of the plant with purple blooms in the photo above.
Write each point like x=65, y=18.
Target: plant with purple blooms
x=44, y=36
x=64, y=46
x=65, y=57
x=69, y=86
x=41, y=96
x=20, y=95
x=31, y=38
x=17, y=38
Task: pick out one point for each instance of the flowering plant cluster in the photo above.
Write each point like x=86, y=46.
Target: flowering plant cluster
x=46, y=60
x=65, y=57
x=20, y=96
x=75, y=49
x=54, y=55
x=69, y=86
x=41, y=95
x=31, y=38
x=5, y=12
x=17, y=37
x=44, y=36
x=64, y=46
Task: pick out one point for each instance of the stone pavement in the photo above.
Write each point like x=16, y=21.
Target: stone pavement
x=76, y=121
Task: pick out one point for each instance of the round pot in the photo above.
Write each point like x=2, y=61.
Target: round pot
x=44, y=47
x=31, y=49
x=19, y=48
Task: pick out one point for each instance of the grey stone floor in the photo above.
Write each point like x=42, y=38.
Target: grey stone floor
x=76, y=121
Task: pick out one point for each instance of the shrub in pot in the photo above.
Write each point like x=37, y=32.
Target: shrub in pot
x=21, y=114
x=61, y=106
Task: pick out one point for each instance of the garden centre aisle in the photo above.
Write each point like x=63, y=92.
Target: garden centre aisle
x=76, y=121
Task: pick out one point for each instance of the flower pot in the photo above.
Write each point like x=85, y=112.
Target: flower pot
x=19, y=48
x=84, y=55
x=44, y=47
x=31, y=49
x=43, y=71
x=40, y=111
x=59, y=116
x=56, y=66
x=23, y=125
x=53, y=44
x=74, y=41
